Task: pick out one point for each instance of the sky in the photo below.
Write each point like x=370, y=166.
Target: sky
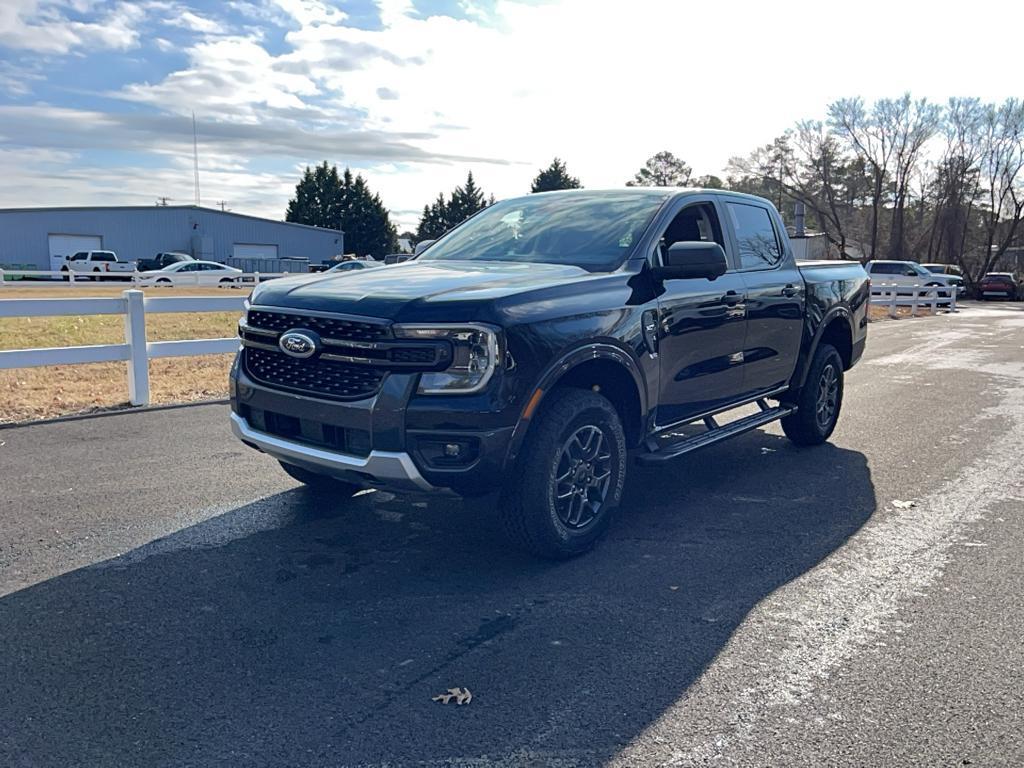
x=96, y=98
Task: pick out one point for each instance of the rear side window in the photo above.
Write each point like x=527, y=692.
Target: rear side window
x=885, y=269
x=103, y=256
x=755, y=235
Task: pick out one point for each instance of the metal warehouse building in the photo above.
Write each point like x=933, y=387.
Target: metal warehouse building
x=40, y=238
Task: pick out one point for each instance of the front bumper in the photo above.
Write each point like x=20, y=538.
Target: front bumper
x=391, y=469
x=387, y=441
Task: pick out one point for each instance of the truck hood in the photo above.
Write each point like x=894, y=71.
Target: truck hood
x=421, y=291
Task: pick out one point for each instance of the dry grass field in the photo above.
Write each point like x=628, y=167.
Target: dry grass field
x=38, y=393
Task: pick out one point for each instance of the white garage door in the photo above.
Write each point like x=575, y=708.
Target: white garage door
x=66, y=245
x=254, y=251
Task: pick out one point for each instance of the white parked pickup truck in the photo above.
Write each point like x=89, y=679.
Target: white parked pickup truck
x=99, y=264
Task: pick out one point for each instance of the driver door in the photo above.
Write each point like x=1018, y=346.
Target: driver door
x=701, y=324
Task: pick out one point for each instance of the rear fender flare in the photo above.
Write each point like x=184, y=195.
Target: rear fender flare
x=804, y=365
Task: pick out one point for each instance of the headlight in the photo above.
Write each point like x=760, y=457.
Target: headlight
x=475, y=349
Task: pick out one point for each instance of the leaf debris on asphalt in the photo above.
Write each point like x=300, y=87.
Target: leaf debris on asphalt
x=460, y=695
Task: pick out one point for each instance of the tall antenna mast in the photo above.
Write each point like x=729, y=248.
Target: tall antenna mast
x=195, y=154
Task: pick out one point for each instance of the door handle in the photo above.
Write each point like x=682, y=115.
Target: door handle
x=790, y=290
x=732, y=298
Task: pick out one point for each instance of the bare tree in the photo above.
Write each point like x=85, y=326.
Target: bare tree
x=818, y=179
x=955, y=187
x=905, y=126
x=662, y=170
x=863, y=133
x=1002, y=163
x=806, y=164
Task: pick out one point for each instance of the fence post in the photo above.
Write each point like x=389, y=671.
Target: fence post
x=256, y=278
x=914, y=303
x=893, y=312
x=1, y=278
x=135, y=337
x=952, y=298
x=935, y=300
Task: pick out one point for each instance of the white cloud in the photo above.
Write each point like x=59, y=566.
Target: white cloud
x=186, y=19
x=42, y=26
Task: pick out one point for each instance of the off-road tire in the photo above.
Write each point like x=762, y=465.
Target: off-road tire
x=806, y=427
x=320, y=483
x=530, y=512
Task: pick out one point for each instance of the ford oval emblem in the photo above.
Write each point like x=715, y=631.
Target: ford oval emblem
x=298, y=344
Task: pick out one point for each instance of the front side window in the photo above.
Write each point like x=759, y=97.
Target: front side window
x=696, y=223
x=592, y=230
x=755, y=236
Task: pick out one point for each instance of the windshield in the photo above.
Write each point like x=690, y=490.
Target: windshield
x=921, y=270
x=593, y=230
x=936, y=268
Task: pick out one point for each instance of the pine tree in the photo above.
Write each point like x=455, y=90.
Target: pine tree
x=365, y=221
x=325, y=199
x=318, y=197
x=434, y=221
x=465, y=201
x=443, y=214
x=555, y=176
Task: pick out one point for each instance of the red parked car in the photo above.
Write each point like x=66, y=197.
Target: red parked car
x=1000, y=285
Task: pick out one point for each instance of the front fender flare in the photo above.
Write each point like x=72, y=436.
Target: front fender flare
x=561, y=366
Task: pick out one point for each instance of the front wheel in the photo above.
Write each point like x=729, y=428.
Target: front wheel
x=819, y=401
x=569, y=476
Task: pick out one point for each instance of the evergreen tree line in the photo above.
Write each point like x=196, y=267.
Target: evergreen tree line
x=898, y=178
x=325, y=198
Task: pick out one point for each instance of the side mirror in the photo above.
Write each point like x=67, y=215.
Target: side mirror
x=422, y=246
x=692, y=260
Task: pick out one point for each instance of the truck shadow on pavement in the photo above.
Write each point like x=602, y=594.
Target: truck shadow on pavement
x=321, y=637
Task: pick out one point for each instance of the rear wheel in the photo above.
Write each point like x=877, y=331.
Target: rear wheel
x=318, y=482
x=818, y=401
x=569, y=476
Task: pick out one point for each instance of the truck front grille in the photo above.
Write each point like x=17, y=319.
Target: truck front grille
x=336, y=328
x=316, y=376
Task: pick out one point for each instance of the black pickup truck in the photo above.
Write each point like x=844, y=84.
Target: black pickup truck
x=532, y=347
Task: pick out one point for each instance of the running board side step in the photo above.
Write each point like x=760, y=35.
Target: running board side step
x=715, y=434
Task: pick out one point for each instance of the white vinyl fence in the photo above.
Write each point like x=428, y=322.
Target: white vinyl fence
x=47, y=278
x=932, y=297
x=135, y=350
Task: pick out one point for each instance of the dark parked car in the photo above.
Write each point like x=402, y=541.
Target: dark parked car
x=162, y=260
x=1000, y=285
x=536, y=344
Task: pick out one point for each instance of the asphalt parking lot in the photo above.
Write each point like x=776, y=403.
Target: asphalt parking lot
x=169, y=597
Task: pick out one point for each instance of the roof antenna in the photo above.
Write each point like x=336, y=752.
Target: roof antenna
x=195, y=154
